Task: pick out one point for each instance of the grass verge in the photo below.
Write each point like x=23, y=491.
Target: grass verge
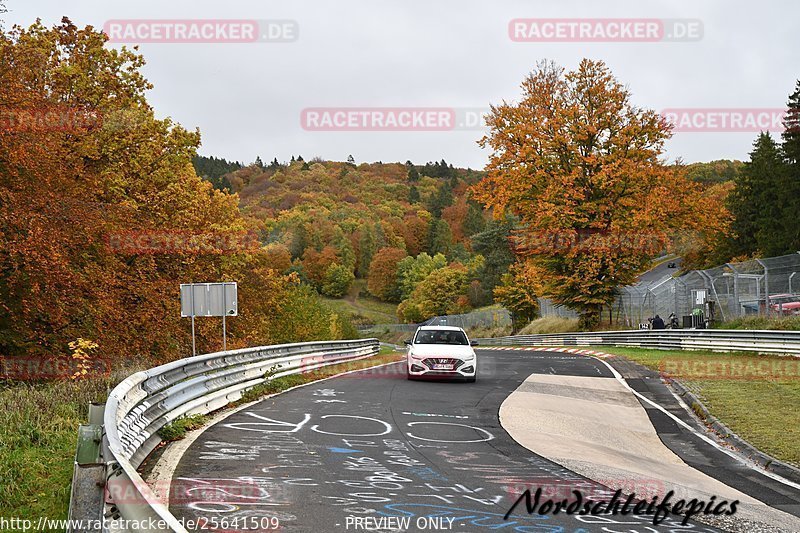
x=756, y=396
x=362, y=308
x=176, y=430
x=787, y=323
x=485, y=332
x=551, y=324
x=38, y=437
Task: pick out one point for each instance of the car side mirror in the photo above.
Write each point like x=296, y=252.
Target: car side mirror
x=407, y=342
x=473, y=343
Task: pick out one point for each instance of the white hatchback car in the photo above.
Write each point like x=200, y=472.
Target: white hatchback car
x=441, y=352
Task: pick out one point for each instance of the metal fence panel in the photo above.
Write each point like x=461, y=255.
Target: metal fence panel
x=765, y=287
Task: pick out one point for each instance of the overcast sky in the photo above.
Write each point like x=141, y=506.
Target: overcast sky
x=247, y=98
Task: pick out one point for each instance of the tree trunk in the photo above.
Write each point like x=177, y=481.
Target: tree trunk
x=590, y=318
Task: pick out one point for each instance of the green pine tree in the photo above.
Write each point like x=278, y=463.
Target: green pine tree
x=759, y=203
x=791, y=133
x=494, y=244
x=441, y=199
x=791, y=151
x=440, y=237
x=413, y=195
x=473, y=221
x=367, y=246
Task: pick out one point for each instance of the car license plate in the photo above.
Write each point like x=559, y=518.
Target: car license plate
x=443, y=367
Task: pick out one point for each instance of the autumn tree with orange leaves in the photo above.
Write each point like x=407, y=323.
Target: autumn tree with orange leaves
x=516, y=293
x=382, y=281
x=583, y=168
x=87, y=173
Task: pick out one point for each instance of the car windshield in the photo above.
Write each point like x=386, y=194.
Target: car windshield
x=441, y=337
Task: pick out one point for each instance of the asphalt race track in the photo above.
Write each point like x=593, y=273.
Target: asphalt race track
x=371, y=444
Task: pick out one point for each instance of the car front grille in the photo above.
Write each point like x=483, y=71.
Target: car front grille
x=443, y=361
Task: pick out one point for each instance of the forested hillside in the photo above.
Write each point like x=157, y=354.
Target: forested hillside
x=392, y=224
x=719, y=171
x=413, y=232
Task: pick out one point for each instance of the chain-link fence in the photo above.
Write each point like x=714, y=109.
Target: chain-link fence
x=765, y=287
x=484, y=318
x=548, y=308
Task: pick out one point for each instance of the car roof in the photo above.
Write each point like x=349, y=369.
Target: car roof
x=440, y=328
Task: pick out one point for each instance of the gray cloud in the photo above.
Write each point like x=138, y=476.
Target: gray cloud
x=247, y=98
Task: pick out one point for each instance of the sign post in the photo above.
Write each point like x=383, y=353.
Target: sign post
x=209, y=299
x=224, y=329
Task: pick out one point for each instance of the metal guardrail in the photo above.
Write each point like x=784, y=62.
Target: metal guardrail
x=761, y=341
x=147, y=401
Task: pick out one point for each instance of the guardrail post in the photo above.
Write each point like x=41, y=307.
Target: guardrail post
x=88, y=475
x=736, y=301
x=766, y=287
x=96, y=411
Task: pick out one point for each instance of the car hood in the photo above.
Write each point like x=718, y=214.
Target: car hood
x=442, y=350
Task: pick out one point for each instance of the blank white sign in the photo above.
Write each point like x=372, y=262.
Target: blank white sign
x=209, y=299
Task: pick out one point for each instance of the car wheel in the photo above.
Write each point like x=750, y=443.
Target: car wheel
x=472, y=379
